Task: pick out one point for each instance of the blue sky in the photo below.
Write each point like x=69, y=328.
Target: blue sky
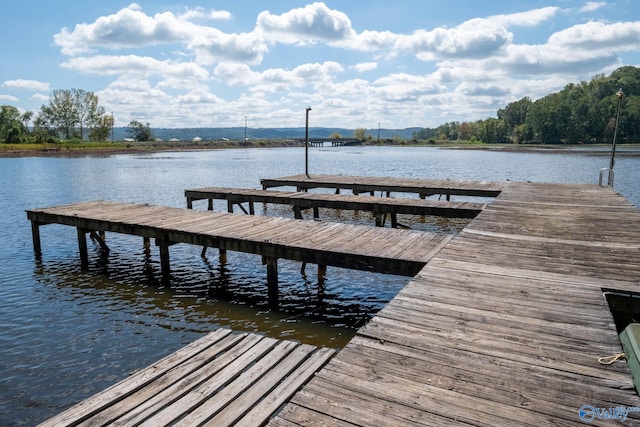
x=393, y=64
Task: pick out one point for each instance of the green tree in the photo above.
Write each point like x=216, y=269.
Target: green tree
x=70, y=112
x=89, y=113
x=102, y=128
x=12, y=128
x=335, y=135
x=139, y=131
x=360, y=133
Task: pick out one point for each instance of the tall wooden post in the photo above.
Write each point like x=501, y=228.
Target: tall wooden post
x=322, y=275
x=164, y=261
x=272, y=280
x=82, y=246
x=35, y=236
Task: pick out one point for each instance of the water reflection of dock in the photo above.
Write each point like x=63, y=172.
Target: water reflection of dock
x=503, y=326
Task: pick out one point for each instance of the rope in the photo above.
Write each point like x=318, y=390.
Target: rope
x=610, y=360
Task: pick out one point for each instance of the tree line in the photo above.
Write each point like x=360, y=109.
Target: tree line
x=71, y=115
x=581, y=113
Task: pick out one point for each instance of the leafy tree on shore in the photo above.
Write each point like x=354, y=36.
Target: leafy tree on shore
x=70, y=112
x=139, y=131
x=360, y=133
x=580, y=113
x=13, y=125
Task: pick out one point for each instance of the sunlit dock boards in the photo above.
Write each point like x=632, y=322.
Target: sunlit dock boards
x=371, y=184
x=221, y=379
x=503, y=327
x=382, y=250
x=379, y=206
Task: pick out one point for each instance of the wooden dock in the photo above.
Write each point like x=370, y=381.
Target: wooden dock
x=371, y=184
x=382, y=250
x=506, y=325
x=503, y=327
x=380, y=207
x=221, y=379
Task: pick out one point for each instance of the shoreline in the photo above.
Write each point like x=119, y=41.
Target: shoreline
x=100, y=150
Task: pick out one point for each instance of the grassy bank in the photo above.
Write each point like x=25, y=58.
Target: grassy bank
x=123, y=147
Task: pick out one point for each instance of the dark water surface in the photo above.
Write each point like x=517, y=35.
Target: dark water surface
x=66, y=334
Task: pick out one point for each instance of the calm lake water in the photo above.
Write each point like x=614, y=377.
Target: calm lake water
x=66, y=334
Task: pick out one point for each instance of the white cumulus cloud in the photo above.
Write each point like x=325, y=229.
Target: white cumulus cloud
x=26, y=84
x=314, y=22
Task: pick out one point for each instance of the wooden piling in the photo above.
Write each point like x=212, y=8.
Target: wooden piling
x=35, y=236
x=82, y=247
x=272, y=280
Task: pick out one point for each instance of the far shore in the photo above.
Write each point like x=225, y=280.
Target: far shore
x=113, y=148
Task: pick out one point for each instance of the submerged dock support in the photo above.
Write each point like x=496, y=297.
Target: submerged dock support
x=35, y=236
x=82, y=247
x=164, y=260
x=272, y=280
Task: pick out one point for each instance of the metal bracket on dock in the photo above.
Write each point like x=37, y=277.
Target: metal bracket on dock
x=610, y=176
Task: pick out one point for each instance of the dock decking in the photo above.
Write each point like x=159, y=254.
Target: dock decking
x=503, y=327
x=371, y=184
x=379, y=206
x=382, y=250
x=221, y=379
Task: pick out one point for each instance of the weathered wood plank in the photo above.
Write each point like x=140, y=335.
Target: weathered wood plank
x=504, y=326
x=91, y=406
x=339, y=245
x=361, y=184
x=306, y=200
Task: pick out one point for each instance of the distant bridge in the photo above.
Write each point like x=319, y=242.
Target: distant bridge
x=335, y=142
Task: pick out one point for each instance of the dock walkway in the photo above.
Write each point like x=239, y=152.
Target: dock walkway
x=503, y=327
x=382, y=250
x=221, y=379
x=379, y=206
x=371, y=184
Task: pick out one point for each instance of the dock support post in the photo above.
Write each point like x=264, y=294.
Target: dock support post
x=316, y=213
x=229, y=206
x=189, y=203
x=272, y=280
x=297, y=212
x=322, y=274
x=82, y=247
x=35, y=236
x=210, y=204
x=394, y=220
x=164, y=261
x=101, y=238
x=222, y=252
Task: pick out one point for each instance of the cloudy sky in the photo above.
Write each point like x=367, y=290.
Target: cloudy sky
x=393, y=64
